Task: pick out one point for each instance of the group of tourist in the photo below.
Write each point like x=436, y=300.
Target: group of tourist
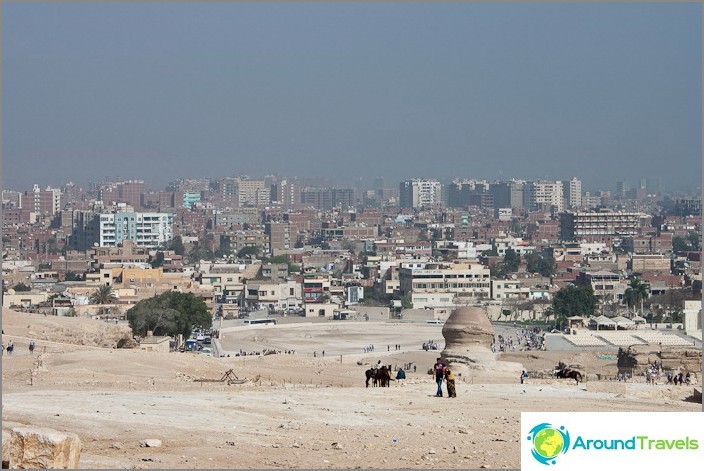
x=266, y=351
x=678, y=378
x=368, y=348
x=430, y=345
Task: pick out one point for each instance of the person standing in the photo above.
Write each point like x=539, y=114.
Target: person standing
x=450, y=381
x=439, y=368
x=31, y=347
x=10, y=347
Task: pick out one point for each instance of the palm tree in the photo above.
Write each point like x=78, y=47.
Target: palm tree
x=103, y=295
x=636, y=293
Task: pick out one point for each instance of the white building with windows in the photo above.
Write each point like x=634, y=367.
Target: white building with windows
x=144, y=229
x=573, y=192
x=418, y=193
x=445, y=284
x=545, y=196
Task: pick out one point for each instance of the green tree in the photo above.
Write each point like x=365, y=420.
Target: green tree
x=679, y=244
x=176, y=244
x=512, y=261
x=169, y=313
x=158, y=260
x=537, y=263
x=574, y=301
x=199, y=253
x=252, y=251
x=103, y=295
x=71, y=276
x=694, y=239
x=636, y=293
x=22, y=287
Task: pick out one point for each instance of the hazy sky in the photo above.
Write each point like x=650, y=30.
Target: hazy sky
x=344, y=90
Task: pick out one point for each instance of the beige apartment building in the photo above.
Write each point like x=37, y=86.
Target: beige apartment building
x=445, y=284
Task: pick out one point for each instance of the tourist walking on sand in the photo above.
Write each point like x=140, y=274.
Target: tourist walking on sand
x=450, y=381
x=10, y=347
x=400, y=375
x=439, y=368
x=31, y=347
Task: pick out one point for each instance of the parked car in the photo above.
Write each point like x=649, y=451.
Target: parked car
x=207, y=351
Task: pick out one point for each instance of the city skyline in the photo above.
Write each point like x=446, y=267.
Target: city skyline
x=603, y=92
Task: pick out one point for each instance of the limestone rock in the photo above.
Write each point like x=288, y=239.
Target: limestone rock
x=5, y=447
x=150, y=443
x=39, y=447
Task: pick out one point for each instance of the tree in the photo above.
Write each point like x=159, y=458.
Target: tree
x=537, y=263
x=22, y=287
x=574, y=301
x=169, y=313
x=694, y=239
x=158, y=260
x=71, y=276
x=252, y=251
x=199, y=253
x=103, y=295
x=679, y=244
x=512, y=261
x=636, y=293
x=176, y=244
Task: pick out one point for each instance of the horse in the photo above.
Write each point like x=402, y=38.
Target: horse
x=379, y=376
x=569, y=373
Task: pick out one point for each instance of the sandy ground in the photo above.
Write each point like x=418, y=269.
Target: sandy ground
x=291, y=411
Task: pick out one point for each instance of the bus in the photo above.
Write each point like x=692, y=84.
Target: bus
x=260, y=321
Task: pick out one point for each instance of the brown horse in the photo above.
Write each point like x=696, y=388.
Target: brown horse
x=379, y=376
x=569, y=373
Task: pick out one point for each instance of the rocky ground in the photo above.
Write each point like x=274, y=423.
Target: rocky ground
x=290, y=411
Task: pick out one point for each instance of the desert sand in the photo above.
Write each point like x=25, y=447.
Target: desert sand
x=289, y=410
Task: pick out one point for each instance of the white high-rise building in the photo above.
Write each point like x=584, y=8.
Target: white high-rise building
x=145, y=229
x=418, y=193
x=545, y=196
x=573, y=192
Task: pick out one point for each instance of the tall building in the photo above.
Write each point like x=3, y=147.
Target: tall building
x=577, y=225
x=545, y=196
x=621, y=189
x=44, y=202
x=252, y=193
x=282, y=235
x=286, y=193
x=573, y=192
x=145, y=229
x=418, y=193
x=463, y=193
x=328, y=198
x=507, y=194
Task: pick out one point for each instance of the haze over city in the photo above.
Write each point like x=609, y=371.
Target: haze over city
x=604, y=92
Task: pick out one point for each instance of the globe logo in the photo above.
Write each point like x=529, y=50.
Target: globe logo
x=548, y=442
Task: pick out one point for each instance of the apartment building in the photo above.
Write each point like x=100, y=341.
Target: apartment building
x=274, y=296
x=145, y=229
x=45, y=202
x=608, y=286
x=509, y=289
x=545, y=196
x=444, y=284
x=596, y=225
x=572, y=192
x=418, y=193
